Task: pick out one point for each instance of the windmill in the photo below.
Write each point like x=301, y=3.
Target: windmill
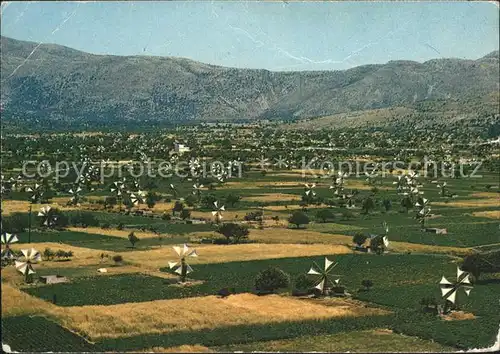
x=324, y=274
x=137, y=197
x=385, y=238
x=423, y=210
x=118, y=187
x=449, y=290
x=310, y=189
x=75, y=195
x=443, y=187
x=197, y=189
x=173, y=189
x=7, y=240
x=401, y=184
x=48, y=217
x=35, y=197
x=36, y=193
x=218, y=211
x=182, y=268
x=31, y=256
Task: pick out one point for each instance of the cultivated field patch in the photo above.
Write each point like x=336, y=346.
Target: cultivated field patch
x=164, y=316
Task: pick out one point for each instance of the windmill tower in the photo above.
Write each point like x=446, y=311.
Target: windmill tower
x=324, y=275
x=181, y=267
x=449, y=290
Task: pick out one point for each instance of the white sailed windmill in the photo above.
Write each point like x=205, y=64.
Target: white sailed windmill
x=385, y=238
x=324, y=274
x=7, y=240
x=449, y=290
x=424, y=210
x=36, y=192
x=49, y=219
x=181, y=267
x=218, y=211
x=118, y=187
x=310, y=189
x=31, y=256
x=443, y=187
x=197, y=189
x=401, y=184
x=137, y=197
x=173, y=189
x=75, y=195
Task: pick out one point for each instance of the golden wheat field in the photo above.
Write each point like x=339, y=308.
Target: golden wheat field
x=272, y=197
x=163, y=316
x=155, y=259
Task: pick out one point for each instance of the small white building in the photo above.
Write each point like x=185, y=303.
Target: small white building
x=53, y=279
x=180, y=148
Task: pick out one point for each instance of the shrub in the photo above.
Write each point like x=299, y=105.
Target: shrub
x=120, y=226
x=185, y=214
x=367, y=284
x=377, y=245
x=178, y=207
x=271, y=279
x=303, y=283
x=133, y=238
x=110, y=202
x=166, y=217
x=232, y=199
x=298, y=218
x=105, y=225
x=347, y=214
x=359, y=238
x=254, y=216
x=324, y=215
x=117, y=258
x=83, y=219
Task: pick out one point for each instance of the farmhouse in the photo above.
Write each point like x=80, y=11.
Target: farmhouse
x=53, y=279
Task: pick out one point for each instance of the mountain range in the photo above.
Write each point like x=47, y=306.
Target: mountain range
x=50, y=81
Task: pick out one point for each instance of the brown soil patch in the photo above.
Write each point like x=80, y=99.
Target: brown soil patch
x=459, y=316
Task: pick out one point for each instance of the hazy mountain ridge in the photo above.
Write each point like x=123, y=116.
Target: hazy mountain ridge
x=57, y=81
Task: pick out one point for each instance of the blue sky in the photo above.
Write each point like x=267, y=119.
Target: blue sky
x=268, y=35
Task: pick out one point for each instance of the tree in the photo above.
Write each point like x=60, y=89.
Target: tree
x=178, y=207
x=303, y=283
x=367, y=284
x=377, y=245
x=271, y=279
x=406, y=203
x=151, y=199
x=387, y=204
x=359, y=239
x=232, y=199
x=298, y=218
x=208, y=200
x=368, y=205
x=185, y=214
x=133, y=238
x=324, y=215
x=477, y=263
x=191, y=200
x=234, y=232
x=48, y=254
